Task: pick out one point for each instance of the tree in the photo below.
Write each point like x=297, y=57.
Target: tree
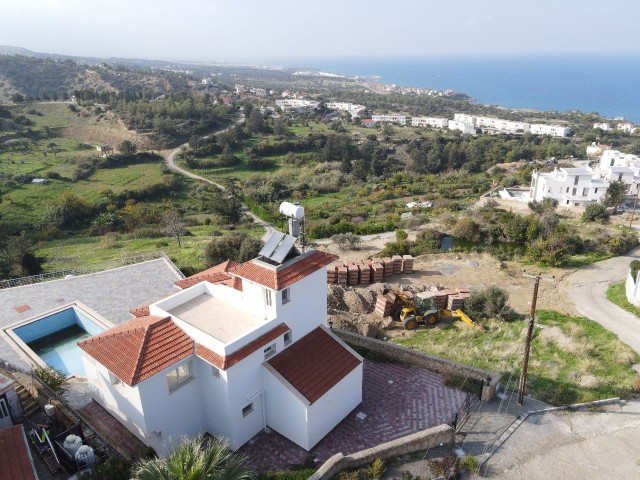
x=127, y=147
x=66, y=210
x=228, y=203
x=614, y=195
x=194, y=459
x=255, y=121
x=237, y=246
x=173, y=225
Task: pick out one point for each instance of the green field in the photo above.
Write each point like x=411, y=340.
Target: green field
x=616, y=293
x=572, y=360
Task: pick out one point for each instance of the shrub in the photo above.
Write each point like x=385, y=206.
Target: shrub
x=467, y=229
x=593, y=212
x=53, y=378
x=376, y=469
x=346, y=241
x=493, y=302
x=635, y=267
x=236, y=246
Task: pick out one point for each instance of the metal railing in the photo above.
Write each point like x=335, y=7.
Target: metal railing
x=87, y=269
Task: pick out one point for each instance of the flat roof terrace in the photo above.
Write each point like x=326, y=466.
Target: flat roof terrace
x=215, y=317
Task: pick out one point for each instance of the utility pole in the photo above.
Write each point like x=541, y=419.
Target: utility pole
x=635, y=200
x=527, y=347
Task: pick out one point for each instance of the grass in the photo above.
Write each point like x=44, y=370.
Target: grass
x=62, y=254
x=573, y=359
x=616, y=293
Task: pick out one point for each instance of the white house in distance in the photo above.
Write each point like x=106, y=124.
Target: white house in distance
x=297, y=104
x=602, y=126
x=434, y=122
x=571, y=187
x=616, y=166
x=462, y=126
x=240, y=348
x=354, y=109
x=390, y=118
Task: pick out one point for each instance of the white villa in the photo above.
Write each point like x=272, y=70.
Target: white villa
x=464, y=127
x=571, y=187
x=602, y=126
x=297, y=104
x=240, y=348
x=354, y=109
x=434, y=122
x=552, y=130
x=390, y=118
x=616, y=166
x=507, y=126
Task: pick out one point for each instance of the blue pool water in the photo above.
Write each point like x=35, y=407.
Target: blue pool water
x=54, y=339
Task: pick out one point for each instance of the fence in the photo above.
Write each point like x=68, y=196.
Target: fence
x=87, y=269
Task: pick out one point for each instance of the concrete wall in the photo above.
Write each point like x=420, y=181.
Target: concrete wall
x=215, y=398
x=307, y=307
x=432, y=437
x=430, y=362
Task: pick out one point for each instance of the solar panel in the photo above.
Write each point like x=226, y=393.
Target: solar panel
x=271, y=244
x=283, y=249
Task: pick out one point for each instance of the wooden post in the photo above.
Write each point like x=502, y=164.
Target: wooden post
x=527, y=347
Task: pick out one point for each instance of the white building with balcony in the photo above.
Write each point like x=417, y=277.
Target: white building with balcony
x=571, y=187
x=238, y=349
x=297, y=104
x=434, y=122
x=390, y=118
x=616, y=166
x=352, y=108
x=462, y=126
x=552, y=130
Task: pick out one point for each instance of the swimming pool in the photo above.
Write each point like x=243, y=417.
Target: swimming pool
x=53, y=337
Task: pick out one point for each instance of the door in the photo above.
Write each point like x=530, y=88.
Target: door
x=5, y=417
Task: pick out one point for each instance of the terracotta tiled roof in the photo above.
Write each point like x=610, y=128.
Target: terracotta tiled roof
x=215, y=274
x=139, y=348
x=15, y=463
x=142, y=311
x=278, y=278
x=229, y=361
x=314, y=364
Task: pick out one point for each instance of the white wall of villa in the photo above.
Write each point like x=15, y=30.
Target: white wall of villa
x=390, y=118
x=571, y=187
x=434, y=122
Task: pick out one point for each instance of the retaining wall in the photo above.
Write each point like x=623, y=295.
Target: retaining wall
x=492, y=380
x=432, y=437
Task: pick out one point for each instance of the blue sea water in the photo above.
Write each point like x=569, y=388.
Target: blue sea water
x=608, y=85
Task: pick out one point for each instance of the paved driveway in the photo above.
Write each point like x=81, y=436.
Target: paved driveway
x=587, y=289
x=397, y=400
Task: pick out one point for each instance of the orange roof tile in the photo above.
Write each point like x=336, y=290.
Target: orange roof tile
x=314, y=364
x=139, y=348
x=279, y=277
x=142, y=311
x=230, y=360
x=15, y=462
x=215, y=274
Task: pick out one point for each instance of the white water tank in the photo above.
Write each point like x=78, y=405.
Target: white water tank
x=288, y=209
x=49, y=410
x=72, y=444
x=85, y=456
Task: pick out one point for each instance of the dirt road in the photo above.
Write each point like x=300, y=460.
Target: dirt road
x=171, y=164
x=586, y=289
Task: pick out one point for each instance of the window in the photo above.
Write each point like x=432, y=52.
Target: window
x=179, y=375
x=270, y=351
x=620, y=177
x=576, y=180
x=585, y=192
x=4, y=409
x=267, y=297
x=114, y=379
x=286, y=295
x=287, y=337
x=567, y=189
x=247, y=410
x=574, y=191
x=595, y=191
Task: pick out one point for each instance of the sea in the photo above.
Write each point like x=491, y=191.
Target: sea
x=604, y=84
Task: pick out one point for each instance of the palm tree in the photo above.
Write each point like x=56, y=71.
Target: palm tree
x=195, y=459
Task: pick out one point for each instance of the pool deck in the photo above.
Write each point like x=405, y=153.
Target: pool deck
x=111, y=293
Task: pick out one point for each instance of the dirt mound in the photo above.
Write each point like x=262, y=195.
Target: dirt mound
x=335, y=298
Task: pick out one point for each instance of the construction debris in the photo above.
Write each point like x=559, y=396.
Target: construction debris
x=368, y=271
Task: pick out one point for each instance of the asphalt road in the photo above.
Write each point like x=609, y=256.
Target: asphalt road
x=587, y=287
x=171, y=164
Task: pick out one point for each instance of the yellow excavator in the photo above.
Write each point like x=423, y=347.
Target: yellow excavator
x=417, y=310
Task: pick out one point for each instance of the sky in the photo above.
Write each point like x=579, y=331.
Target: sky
x=271, y=31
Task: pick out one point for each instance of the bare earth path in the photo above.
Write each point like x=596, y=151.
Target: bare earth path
x=171, y=164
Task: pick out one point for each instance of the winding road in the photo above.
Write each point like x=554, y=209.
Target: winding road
x=587, y=289
x=171, y=164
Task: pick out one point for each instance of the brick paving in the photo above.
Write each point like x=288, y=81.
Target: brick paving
x=112, y=430
x=398, y=400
